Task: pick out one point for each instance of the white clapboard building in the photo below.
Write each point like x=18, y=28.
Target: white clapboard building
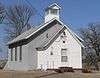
x=48, y=46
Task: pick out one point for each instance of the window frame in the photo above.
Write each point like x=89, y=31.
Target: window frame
x=15, y=53
x=20, y=53
x=63, y=55
x=54, y=11
x=63, y=59
x=11, y=54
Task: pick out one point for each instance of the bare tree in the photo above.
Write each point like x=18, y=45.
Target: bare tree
x=18, y=17
x=2, y=16
x=91, y=36
x=2, y=12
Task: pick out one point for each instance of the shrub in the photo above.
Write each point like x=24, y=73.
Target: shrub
x=2, y=63
x=66, y=69
x=58, y=70
x=86, y=71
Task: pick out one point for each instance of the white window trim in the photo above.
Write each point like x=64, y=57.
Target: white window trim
x=64, y=55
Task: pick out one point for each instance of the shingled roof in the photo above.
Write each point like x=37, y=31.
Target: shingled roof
x=28, y=33
x=46, y=44
x=34, y=30
x=23, y=35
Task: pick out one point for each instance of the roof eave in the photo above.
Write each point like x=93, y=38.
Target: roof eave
x=55, y=4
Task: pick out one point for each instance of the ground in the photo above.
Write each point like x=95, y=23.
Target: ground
x=44, y=74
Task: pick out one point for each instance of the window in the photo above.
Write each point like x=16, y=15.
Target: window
x=20, y=53
x=64, y=57
x=64, y=33
x=11, y=54
x=47, y=35
x=54, y=11
x=47, y=12
x=51, y=53
x=63, y=36
x=63, y=51
x=63, y=41
x=15, y=53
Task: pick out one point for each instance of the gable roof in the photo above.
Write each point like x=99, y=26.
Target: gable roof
x=55, y=5
x=23, y=35
x=33, y=31
x=29, y=33
x=47, y=44
x=50, y=41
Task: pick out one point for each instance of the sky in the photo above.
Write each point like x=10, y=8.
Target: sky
x=76, y=13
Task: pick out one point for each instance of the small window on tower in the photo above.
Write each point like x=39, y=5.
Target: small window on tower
x=47, y=12
x=54, y=11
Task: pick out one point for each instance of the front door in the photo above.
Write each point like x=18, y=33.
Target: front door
x=50, y=64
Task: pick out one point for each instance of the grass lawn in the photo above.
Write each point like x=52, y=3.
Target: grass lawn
x=43, y=74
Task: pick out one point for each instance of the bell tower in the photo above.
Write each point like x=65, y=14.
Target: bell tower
x=51, y=12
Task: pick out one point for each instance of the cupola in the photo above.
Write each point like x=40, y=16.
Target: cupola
x=51, y=12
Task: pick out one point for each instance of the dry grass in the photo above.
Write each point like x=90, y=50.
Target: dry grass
x=74, y=75
x=44, y=74
x=23, y=74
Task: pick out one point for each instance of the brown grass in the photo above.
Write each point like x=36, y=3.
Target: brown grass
x=24, y=74
x=45, y=74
